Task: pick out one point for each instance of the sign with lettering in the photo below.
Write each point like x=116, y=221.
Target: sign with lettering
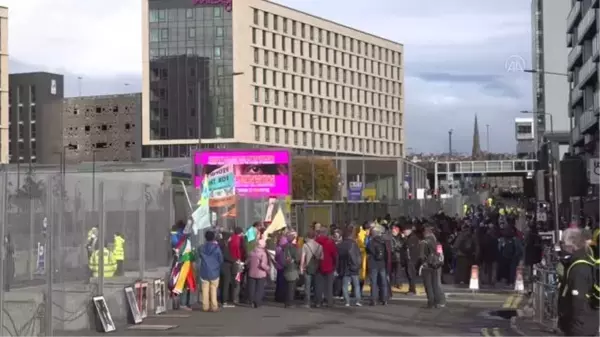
x=594, y=171
x=227, y=4
x=221, y=178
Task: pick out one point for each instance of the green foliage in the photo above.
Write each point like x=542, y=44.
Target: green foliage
x=326, y=178
x=31, y=189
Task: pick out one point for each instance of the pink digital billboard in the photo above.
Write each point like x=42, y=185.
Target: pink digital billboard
x=257, y=173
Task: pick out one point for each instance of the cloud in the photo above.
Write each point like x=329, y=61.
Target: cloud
x=456, y=56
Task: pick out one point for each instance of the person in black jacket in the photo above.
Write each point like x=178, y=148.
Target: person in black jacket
x=576, y=315
x=350, y=261
x=397, y=254
x=410, y=257
x=377, y=260
x=227, y=269
x=431, y=269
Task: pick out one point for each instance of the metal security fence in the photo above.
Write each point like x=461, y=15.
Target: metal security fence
x=425, y=207
x=47, y=284
x=545, y=296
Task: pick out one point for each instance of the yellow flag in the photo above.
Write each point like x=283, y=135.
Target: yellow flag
x=277, y=224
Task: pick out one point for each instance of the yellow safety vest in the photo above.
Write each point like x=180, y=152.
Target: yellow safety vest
x=110, y=265
x=119, y=250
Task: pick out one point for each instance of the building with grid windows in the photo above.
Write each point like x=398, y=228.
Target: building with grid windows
x=4, y=85
x=35, y=100
x=259, y=74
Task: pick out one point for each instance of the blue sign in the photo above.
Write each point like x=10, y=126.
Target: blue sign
x=355, y=190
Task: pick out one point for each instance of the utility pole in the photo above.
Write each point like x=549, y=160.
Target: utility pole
x=487, y=136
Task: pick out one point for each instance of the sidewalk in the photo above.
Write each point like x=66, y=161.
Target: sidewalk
x=525, y=326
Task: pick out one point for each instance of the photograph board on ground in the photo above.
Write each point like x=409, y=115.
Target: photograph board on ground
x=141, y=294
x=134, y=310
x=160, y=297
x=103, y=314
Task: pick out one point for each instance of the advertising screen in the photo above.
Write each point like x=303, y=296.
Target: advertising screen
x=257, y=173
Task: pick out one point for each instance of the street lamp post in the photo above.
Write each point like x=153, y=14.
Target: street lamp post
x=552, y=168
x=312, y=160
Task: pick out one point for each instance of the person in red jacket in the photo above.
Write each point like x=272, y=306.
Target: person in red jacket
x=327, y=268
x=235, y=245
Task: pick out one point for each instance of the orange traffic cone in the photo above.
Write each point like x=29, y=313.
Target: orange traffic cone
x=474, y=284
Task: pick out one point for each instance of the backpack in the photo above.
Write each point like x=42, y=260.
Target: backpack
x=466, y=245
x=594, y=294
x=378, y=251
x=434, y=259
x=313, y=265
x=509, y=250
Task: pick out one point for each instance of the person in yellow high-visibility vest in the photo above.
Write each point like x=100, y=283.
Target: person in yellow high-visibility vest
x=110, y=265
x=119, y=253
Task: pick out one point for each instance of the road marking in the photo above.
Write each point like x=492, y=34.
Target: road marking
x=491, y=332
x=448, y=299
x=513, y=302
x=403, y=290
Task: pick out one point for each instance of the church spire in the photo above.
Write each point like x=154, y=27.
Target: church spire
x=476, y=153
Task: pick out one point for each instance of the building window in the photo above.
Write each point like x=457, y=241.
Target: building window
x=218, y=12
x=255, y=113
x=32, y=94
x=219, y=32
x=256, y=95
x=189, y=13
x=267, y=134
x=256, y=16
x=257, y=133
x=217, y=52
x=191, y=33
x=164, y=34
x=266, y=19
x=154, y=35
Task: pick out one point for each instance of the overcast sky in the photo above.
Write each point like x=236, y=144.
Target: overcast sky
x=460, y=56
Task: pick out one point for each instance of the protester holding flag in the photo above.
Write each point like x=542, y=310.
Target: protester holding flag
x=182, y=272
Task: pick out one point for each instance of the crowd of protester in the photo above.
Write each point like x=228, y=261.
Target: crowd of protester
x=336, y=261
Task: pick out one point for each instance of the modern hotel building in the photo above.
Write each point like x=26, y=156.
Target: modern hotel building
x=259, y=74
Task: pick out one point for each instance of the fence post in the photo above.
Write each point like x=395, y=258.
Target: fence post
x=101, y=238
x=142, y=232
x=32, y=247
x=49, y=259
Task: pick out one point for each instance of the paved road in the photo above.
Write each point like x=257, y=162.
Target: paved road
x=465, y=315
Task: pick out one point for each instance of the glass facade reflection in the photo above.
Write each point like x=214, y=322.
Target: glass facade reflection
x=191, y=62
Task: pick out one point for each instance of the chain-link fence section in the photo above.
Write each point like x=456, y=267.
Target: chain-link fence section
x=63, y=231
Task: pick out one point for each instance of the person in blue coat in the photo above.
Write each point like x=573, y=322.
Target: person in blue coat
x=210, y=260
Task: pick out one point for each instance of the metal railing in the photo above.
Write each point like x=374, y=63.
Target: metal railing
x=545, y=296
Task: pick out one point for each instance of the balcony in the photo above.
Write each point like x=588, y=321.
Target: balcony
x=574, y=57
x=587, y=120
x=574, y=16
x=596, y=48
x=589, y=69
x=586, y=23
x=576, y=95
x=576, y=136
